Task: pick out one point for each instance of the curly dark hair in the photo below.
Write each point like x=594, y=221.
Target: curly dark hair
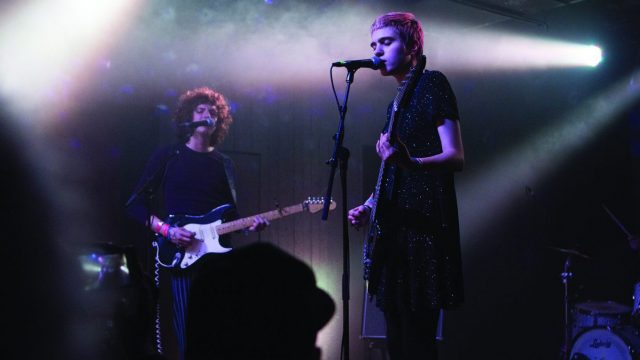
x=189, y=100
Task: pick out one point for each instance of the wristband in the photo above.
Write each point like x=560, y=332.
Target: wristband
x=164, y=229
x=158, y=227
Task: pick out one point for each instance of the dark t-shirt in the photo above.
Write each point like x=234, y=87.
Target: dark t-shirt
x=183, y=182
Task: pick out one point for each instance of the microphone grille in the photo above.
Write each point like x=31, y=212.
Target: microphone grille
x=376, y=62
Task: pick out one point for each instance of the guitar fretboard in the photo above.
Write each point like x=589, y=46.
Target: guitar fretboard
x=244, y=223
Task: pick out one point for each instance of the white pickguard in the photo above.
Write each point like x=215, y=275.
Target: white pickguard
x=206, y=241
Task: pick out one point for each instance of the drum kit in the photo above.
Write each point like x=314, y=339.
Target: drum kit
x=602, y=330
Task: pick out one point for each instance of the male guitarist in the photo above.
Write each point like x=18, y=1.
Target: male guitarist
x=190, y=178
x=413, y=264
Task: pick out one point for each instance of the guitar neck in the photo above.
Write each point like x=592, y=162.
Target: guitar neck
x=376, y=191
x=398, y=101
x=244, y=223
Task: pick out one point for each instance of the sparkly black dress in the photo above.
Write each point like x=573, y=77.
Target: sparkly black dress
x=422, y=266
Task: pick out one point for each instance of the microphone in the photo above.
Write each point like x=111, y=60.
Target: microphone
x=372, y=63
x=195, y=124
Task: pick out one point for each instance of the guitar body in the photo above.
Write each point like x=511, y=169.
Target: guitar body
x=207, y=239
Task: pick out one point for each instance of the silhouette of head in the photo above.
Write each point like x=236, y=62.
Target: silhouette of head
x=256, y=302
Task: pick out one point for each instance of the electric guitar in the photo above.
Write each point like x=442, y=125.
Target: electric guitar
x=384, y=185
x=210, y=226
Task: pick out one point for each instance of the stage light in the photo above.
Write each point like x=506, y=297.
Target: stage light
x=592, y=55
x=452, y=48
x=46, y=45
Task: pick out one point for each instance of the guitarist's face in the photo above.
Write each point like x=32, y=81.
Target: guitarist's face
x=388, y=46
x=202, y=112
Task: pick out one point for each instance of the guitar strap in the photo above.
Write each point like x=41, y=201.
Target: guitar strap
x=229, y=169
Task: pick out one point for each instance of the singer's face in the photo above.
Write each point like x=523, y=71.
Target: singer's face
x=387, y=45
x=203, y=112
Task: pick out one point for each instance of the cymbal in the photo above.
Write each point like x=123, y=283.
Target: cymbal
x=570, y=252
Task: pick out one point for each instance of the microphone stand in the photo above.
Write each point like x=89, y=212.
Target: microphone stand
x=341, y=156
x=144, y=188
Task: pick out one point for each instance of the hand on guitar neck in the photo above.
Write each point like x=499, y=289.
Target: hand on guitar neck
x=259, y=224
x=390, y=154
x=396, y=153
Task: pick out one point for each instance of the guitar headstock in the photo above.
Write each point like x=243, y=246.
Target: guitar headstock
x=315, y=204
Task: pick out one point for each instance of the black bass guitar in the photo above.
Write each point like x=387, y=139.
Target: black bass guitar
x=210, y=226
x=384, y=185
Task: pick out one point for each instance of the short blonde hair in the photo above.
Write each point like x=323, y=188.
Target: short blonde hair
x=407, y=26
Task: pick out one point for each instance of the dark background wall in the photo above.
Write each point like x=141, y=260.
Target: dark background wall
x=281, y=139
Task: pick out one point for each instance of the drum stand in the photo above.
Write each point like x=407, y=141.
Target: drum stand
x=566, y=275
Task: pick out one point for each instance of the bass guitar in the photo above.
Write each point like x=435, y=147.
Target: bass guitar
x=210, y=226
x=384, y=185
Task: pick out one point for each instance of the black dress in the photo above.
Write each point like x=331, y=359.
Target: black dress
x=421, y=267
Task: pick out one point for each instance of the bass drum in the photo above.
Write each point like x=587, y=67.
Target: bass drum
x=599, y=314
x=605, y=344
